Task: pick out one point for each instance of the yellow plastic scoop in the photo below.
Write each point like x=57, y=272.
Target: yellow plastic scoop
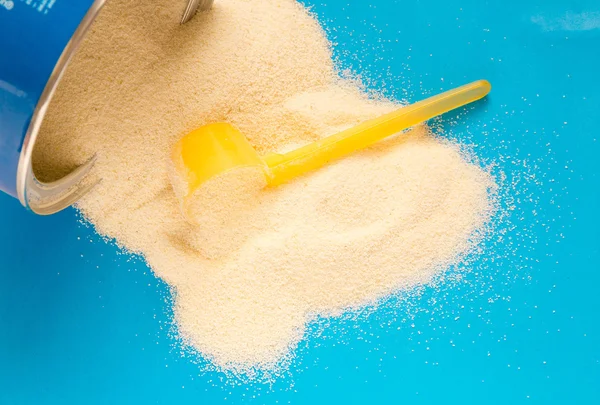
x=216, y=148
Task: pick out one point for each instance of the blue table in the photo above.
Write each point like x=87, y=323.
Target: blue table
x=81, y=323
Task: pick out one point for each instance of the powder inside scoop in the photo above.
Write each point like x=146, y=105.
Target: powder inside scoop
x=224, y=210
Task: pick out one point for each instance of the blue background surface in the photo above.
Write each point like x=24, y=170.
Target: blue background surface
x=81, y=323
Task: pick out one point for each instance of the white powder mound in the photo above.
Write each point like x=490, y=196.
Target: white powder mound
x=249, y=275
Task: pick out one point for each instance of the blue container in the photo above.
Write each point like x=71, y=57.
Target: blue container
x=37, y=40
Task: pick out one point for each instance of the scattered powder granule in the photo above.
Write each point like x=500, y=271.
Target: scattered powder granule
x=252, y=268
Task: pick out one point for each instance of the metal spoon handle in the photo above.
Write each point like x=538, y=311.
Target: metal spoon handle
x=193, y=6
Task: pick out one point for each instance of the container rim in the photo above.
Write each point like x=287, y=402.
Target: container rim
x=48, y=198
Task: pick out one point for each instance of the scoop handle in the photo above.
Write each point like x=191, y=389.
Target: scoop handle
x=284, y=167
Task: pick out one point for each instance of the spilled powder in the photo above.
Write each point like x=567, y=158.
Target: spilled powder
x=253, y=270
